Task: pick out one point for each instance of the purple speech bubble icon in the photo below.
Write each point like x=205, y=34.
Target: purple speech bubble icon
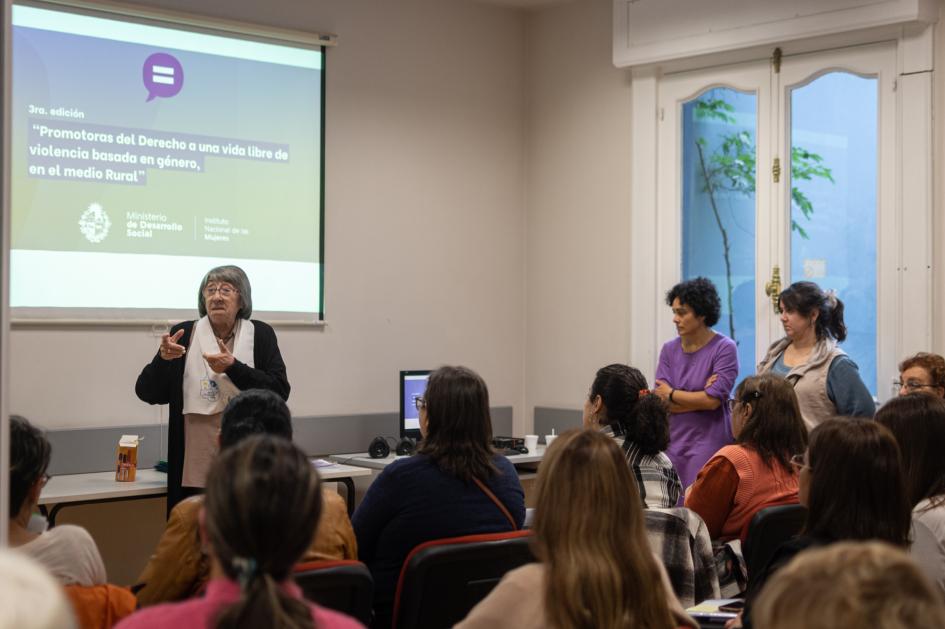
x=163, y=75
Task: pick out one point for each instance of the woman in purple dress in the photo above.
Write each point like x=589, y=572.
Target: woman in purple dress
x=695, y=375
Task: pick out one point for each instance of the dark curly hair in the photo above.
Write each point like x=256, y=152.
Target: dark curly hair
x=29, y=458
x=700, y=295
x=642, y=417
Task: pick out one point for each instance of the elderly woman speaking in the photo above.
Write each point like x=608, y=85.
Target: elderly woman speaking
x=200, y=365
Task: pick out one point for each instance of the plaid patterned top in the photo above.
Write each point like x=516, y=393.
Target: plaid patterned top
x=657, y=479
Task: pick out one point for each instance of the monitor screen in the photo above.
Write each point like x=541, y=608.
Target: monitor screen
x=412, y=386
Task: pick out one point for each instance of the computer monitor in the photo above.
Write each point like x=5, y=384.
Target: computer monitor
x=412, y=385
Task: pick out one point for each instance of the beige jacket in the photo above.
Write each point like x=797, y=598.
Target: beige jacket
x=179, y=569
x=518, y=602
x=809, y=379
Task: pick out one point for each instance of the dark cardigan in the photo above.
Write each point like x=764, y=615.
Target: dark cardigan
x=161, y=382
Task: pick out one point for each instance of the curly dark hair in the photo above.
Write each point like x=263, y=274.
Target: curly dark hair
x=700, y=295
x=642, y=417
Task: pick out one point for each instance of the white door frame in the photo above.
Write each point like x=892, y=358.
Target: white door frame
x=910, y=306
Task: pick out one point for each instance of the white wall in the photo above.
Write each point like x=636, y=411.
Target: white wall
x=578, y=219
x=938, y=219
x=424, y=221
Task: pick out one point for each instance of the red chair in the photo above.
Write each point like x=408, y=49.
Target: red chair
x=442, y=580
x=343, y=585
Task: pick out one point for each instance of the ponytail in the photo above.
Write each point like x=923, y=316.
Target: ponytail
x=834, y=320
x=265, y=604
x=640, y=414
x=262, y=506
x=648, y=427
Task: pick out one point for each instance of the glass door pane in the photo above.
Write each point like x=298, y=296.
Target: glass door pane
x=719, y=158
x=833, y=178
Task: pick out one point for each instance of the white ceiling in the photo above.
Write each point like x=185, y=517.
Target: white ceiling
x=524, y=4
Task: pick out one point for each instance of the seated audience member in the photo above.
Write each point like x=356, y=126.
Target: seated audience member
x=68, y=552
x=619, y=403
x=850, y=480
x=922, y=373
x=454, y=485
x=850, y=584
x=597, y=569
x=755, y=472
x=178, y=569
x=259, y=515
x=918, y=423
x=30, y=598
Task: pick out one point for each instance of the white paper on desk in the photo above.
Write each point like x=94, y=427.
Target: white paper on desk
x=322, y=463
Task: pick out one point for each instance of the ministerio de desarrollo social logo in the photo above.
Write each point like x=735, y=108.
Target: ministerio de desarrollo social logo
x=94, y=223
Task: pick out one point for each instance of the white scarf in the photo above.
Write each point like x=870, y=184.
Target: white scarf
x=205, y=391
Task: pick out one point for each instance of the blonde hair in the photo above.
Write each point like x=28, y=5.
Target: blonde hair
x=589, y=532
x=850, y=584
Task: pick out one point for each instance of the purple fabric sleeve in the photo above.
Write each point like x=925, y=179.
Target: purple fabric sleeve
x=663, y=371
x=725, y=365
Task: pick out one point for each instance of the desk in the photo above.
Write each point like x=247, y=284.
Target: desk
x=362, y=459
x=82, y=489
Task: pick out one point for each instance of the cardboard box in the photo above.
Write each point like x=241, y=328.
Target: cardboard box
x=127, y=463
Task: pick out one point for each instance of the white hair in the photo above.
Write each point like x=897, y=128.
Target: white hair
x=30, y=598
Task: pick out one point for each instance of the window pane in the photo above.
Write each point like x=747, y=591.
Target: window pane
x=833, y=211
x=718, y=213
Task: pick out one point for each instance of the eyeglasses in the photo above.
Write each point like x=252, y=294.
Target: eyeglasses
x=420, y=403
x=224, y=291
x=732, y=403
x=912, y=385
x=799, y=461
x=45, y=478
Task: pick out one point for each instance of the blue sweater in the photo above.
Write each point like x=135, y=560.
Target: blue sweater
x=412, y=501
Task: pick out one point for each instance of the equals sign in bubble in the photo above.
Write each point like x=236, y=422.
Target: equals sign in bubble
x=162, y=74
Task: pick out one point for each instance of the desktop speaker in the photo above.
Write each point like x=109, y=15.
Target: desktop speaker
x=379, y=448
x=405, y=447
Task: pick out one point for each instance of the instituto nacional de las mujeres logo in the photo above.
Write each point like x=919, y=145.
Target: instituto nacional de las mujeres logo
x=94, y=223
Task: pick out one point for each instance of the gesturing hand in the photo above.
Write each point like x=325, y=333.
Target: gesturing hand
x=169, y=349
x=222, y=361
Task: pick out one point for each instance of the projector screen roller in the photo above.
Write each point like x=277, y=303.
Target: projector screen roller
x=144, y=154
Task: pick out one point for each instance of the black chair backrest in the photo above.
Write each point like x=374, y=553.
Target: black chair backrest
x=346, y=587
x=442, y=583
x=769, y=528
